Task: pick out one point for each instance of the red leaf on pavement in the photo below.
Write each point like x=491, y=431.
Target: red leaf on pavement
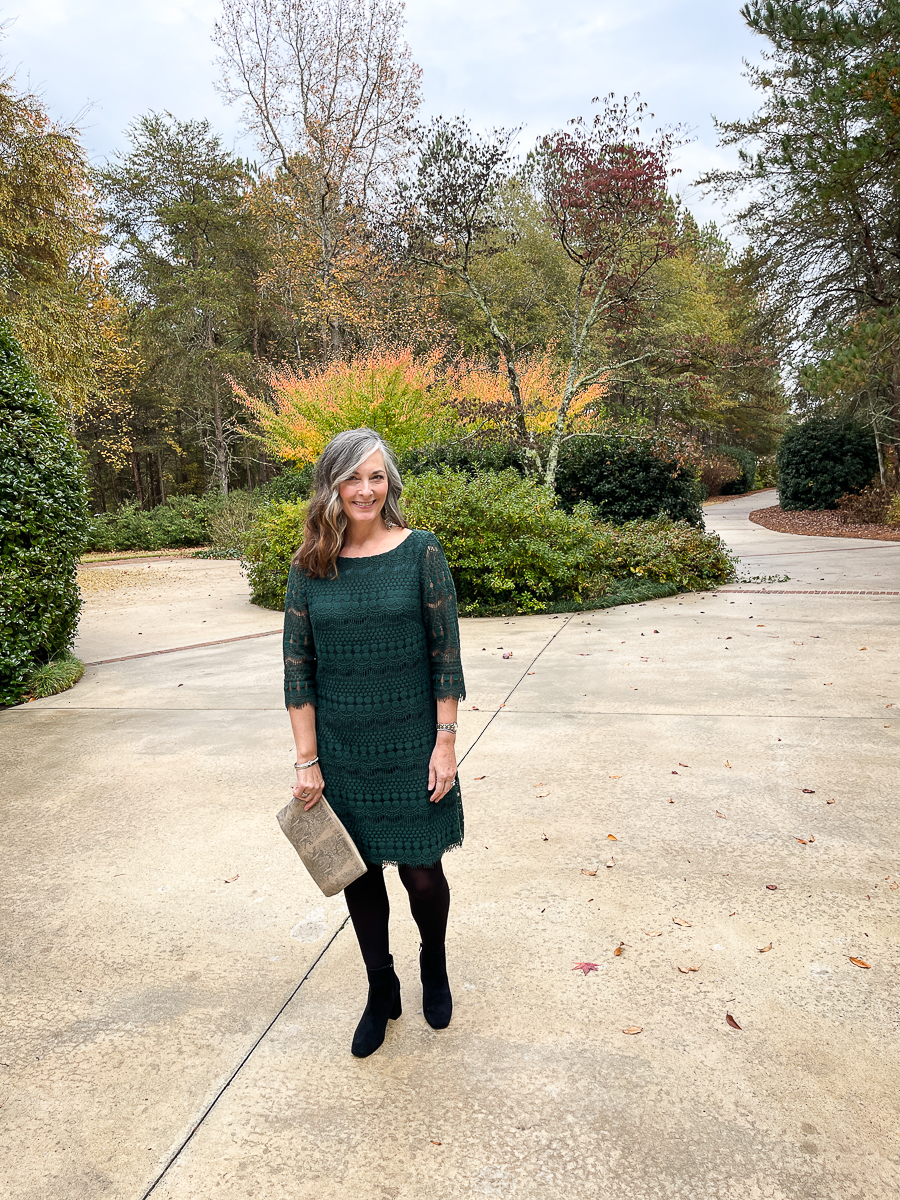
x=731, y=1021
x=585, y=967
x=808, y=791
x=772, y=887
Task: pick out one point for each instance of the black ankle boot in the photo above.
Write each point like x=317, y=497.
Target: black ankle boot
x=437, y=1003
x=382, y=1005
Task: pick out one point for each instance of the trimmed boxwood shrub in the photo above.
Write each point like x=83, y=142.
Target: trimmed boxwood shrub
x=626, y=480
x=746, y=460
x=823, y=459
x=43, y=520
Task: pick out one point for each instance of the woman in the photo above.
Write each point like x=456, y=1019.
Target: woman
x=372, y=682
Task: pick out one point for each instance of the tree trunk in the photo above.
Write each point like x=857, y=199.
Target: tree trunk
x=162, y=481
x=139, y=491
x=247, y=467
x=221, y=448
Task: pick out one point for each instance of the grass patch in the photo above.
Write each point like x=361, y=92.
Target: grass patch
x=54, y=677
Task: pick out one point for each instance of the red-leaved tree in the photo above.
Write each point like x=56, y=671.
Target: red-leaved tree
x=606, y=198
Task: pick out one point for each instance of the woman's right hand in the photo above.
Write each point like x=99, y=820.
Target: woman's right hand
x=309, y=786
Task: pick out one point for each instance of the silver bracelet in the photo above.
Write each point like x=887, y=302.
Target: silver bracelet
x=448, y=727
x=302, y=766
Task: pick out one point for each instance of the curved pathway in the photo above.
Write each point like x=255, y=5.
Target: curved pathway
x=179, y=999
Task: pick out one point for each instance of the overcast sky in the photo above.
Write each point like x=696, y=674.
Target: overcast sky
x=499, y=62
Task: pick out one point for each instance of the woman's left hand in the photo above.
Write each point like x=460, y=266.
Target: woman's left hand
x=442, y=768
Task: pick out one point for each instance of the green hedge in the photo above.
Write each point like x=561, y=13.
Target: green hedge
x=505, y=538
x=746, y=460
x=627, y=480
x=466, y=457
x=43, y=516
x=823, y=459
x=269, y=548
x=511, y=548
x=181, y=521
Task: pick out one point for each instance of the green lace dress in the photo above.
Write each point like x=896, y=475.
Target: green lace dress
x=373, y=650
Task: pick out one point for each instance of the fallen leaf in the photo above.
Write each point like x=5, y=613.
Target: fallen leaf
x=634, y=1029
x=544, y=838
x=812, y=839
x=477, y=777
x=864, y=647
x=772, y=887
x=731, y=914
x=687, y=970
x=541, y=795
x=808, y=791
x=618, y=950
x=765, y=949
x=434, y=1143
x=584, y=872
x=727, y=764
x=670, y=802
x=683, y=765
x=508, y=654
x=683, y=924
x=475, y=708
x=731, y=1021
x=861, y=962
x=232, y=879
x=611, y=863
x=831, y=801
x=585, y=968
x=722, y=815
x=530, y=672
x=615, y=776
x=611, y=837
x=652, y=933
x=674, y=772
x=656, y=631
x=802, y=841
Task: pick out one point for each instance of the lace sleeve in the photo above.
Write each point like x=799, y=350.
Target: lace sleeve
x=441, y=624
x=299, y=648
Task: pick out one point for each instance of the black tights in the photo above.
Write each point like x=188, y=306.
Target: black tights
x=367, y=900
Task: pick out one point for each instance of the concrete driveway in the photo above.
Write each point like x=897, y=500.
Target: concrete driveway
x=179, y=999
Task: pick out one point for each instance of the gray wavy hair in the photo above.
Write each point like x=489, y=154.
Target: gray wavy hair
x=326, y=521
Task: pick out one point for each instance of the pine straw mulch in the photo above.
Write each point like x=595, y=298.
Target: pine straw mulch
x=824, y=523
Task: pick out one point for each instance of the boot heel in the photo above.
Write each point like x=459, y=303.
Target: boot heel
x=383, y=1004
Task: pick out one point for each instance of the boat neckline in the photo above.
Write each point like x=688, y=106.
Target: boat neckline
x=381, y=554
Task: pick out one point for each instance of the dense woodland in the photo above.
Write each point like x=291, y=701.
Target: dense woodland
x=547, y=287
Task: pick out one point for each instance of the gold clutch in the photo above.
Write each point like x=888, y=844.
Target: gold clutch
x=326, y=848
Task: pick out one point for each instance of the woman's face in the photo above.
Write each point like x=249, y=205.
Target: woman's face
x=364, y=493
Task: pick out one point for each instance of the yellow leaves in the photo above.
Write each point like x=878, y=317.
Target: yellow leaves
x=401, y=395
x=541, y=378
